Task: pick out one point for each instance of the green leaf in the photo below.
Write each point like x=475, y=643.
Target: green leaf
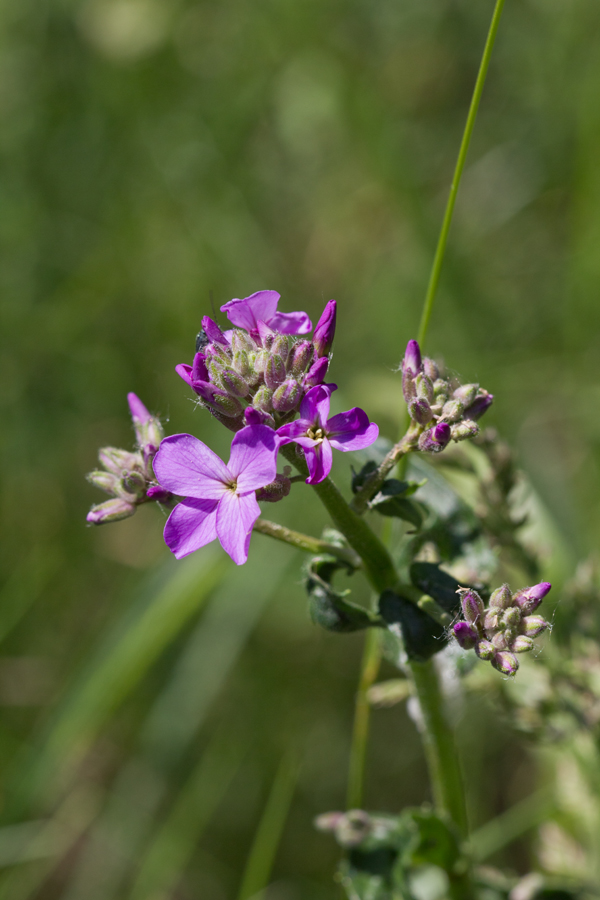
x=328, y=607
x=422, y=636
x=432, y=580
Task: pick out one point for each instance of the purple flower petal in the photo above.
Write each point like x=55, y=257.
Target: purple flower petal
x=212, y=331
x=184, y=371
x=186, y=466
x=191, y=525
x=325, y=330
x=199, y=370
x=318, y=460
x=351, y=430
x=235, y=517
x=247, y=312
x=253, y=457
x=290, y=323
x=294, y=431
x=138, y=411
x=317, y=372
x=315, y=405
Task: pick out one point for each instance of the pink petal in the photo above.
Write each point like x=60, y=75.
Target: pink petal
x=235, y=517
x=184, y=372
x=356, y=441
x=290, y=323
x=319, y=461
x=253, y=457
x=137, y=409
x=351, y=430
x=191, y=525
x=315, y=405
x=247, y=312
x=186, y=466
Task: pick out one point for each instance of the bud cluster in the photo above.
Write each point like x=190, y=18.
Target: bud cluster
x=442, y=408
x=506, y=627
x=263, y=370
x=127, y=476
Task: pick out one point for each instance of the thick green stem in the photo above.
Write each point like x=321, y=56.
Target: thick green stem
x=362, y=711
x=306, y=542
x=460, y=164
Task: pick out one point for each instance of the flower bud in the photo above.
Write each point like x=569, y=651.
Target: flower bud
x=262, y=399
x=277, y=490
x=465, y=635
x=479, y=406
x=511, y=618
x=241, y=363
x=257, y=417
x=325, y=330
x=148, y=430
x=485, y=650
x=522, y=644
x=260, y=361
x=430, y=367
x=531, y=626
x=490, y=621
x=316, y=373
x=213, y=332
x=452, y=410
x=281, y=346
x=420, y=411
x=117, y=461
x=424, y=387
x=110, y=511
x=301, y=356
x=472, y=605
x=287, y=396
x=440, y=390
x=499, y=641
x=274, y=372
x=158, y=493
x=218, y=400
x=434, y=440
x=507, y=663
x=134, y=483
x=234, y=384
x=501, y=597
x=528, y=599
x=106, y=481
x=466, y=393
x=241, y=342
x=464, y=430
x=412, y=358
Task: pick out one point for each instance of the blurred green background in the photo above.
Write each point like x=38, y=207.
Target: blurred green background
x=160, y=155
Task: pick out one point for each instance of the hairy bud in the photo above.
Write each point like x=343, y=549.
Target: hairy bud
x=274, y=372
x=316, y=373
x=234, y=384
x=531, y=626
x=507, y=663
x=472, y=605
x=262, y=399
x=300, y=357
x=325, y=330
x=436, y=439
x=287, y=396
x=501, y=597
x=465, y=635
x=420, y=411
x=464, y=430
x=110, y=511
x=521, y=644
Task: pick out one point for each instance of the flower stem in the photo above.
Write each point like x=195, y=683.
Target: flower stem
x=306, y=542
x=358, y=751
x=376, y=479
x=458, y=171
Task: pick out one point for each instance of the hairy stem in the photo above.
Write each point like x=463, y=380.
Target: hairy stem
x=306, y=542
x=360, y=733
x=438, y=259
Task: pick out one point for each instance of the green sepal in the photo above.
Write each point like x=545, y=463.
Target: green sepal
x=422, y=636
x=328, y=607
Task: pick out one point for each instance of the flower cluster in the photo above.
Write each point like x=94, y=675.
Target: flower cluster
x=506, y=627
x=260, y=364
x=442, y=408
x=127, y=475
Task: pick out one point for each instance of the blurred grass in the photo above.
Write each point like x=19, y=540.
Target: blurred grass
x=155, y=153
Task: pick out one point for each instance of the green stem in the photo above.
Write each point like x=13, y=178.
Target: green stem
x=306, y=542
x=362, y=711
x=376, y=479
x=458, y=171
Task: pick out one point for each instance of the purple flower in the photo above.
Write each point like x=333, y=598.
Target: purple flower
x=220, y=500
x=412, y=358
x=479, y=406
x=317, y=434
x=262, y=307
x=148, y=429
x=436, y=439
x=325, y=330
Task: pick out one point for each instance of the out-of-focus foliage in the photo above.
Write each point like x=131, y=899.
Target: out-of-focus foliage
x=157, y=156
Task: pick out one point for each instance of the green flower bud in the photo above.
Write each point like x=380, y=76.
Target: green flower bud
x=533, y=625
x=521, y=644
x=501, y=598
x=234, y=384
x=464, y=430
x=263, y=399
x=424, y=387
x=507, y=663
x=452, y=410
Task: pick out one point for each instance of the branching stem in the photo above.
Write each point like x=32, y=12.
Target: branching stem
x=306, y=542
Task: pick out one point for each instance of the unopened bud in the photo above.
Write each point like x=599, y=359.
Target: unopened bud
x=274, y=372
x=452, y=410
x=300, y=357
x=472, y=605
x=466, y=393
x=234, y=384
x=158, y=493
x=424, y=387
x=257, y=416
x=531, y=626
x=479, y=406
x=430, y=367
x=521, y=644
x=500, y=641
x=260, y=361
x=511, y=618
x=485, y=650
x=420, y=411
x=507, y=663
x=148, y=430
x=117, y=461
x=465, y=635
x=287, y=396
x=106, y=481
x=490, y=622
x=501, y=597
x=134, y=483
x=464, y=430
x=275, y=491
x=110, y=511
x=435, y=439
x=528, y=599
x=219, y=400
x=262, y=399
x=316, y=373
x=412, y=358
x=241, y=363
x=281, y=347
x=325, y=330
x=241, y=342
